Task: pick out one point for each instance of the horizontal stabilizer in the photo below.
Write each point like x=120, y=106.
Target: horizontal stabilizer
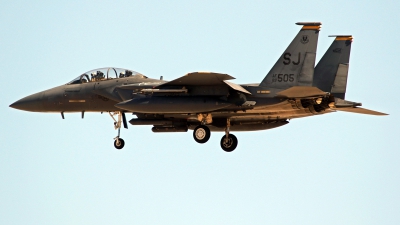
x=361, y=111
x=199, y=78
x=301, y=92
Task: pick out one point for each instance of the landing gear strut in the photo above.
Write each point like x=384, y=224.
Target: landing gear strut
x=229, y=141
x=201, y=133
x=119, y=143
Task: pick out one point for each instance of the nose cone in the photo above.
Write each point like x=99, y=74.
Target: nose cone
x=32, y=103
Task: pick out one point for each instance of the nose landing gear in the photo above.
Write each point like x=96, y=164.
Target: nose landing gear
x=119, y=143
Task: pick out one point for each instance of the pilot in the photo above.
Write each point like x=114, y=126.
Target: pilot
x=128, y=73
x=122, y=74
x=99, y=75
x=93, y=76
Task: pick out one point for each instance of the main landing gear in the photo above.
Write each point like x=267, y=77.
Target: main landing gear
x=229, y=142
x=119, y=143
x=201, y=134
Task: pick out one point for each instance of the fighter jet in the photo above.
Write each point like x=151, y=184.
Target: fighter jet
x=208, y=101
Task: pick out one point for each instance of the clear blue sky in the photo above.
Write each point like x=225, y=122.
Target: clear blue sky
x=339, y=168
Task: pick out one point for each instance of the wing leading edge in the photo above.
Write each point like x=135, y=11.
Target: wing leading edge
x=199, y=78
x=204, y=79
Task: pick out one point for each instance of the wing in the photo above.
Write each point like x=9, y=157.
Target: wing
x=204, y=79
x=198, y=78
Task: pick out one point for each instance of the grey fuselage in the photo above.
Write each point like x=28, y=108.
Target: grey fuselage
x=96, y=96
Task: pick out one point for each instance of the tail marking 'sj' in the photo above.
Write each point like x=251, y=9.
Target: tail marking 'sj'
x=295, y=67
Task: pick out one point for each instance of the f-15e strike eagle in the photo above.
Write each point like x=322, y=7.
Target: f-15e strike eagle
x=207, y=101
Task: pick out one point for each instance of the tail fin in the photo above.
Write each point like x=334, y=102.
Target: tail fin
x=295, y=67
x=330, y=74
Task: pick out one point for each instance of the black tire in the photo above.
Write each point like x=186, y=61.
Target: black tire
x=201, y=134
x=120, y=144
x=229, y=144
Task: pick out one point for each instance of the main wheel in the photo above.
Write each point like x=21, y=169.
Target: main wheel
x=119, y=143
x=229, y=144
x=201, y=134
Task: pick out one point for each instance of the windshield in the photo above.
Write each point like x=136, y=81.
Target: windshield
x=102, y=74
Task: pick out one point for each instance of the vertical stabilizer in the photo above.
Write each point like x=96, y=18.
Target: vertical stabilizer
x=295, y=67
x=330, y=74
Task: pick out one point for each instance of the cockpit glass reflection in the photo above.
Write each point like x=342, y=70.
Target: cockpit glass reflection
x=103, y=74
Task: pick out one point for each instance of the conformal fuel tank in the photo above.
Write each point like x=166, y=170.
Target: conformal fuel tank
x=173, y=104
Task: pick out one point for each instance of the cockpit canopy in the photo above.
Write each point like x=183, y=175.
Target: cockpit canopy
x=106, y=73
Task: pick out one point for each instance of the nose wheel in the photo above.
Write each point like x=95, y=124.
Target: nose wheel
x=119, y=143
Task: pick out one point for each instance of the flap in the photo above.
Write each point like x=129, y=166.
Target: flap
x=199, y=78
x=237, y=87
x=301, y=92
